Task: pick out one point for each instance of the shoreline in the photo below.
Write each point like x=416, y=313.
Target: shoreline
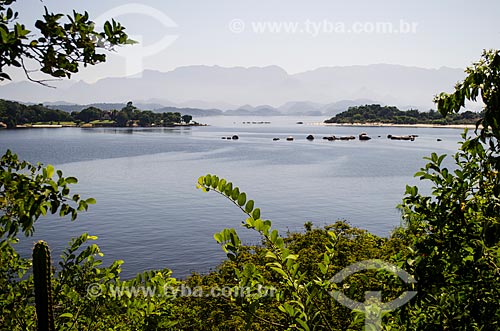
x=415, y=126
x=95, y=126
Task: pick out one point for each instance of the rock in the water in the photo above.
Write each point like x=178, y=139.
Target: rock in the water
x=235, y=137
x=410, y=137
x=310, y=137
x=364, y=136
x=290, y=138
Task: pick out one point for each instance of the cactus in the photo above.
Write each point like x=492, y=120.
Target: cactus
x=43, y=287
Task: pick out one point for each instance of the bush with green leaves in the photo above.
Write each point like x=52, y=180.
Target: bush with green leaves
x=27, y=192
x=82, y=287
x=455, y=232
x=299, y=268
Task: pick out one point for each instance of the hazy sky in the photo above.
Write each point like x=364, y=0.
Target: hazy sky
x=296, y=35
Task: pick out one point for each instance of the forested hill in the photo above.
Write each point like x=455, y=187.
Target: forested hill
x=14, y=114
x=392, y=115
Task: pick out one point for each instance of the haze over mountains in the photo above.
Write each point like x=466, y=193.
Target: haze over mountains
x=239, y=90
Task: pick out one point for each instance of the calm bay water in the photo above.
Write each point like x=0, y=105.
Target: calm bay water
x=150, y=214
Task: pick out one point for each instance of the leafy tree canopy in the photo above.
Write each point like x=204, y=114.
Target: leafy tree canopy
x=390, y=114
x=61, y=44
x=482, y=83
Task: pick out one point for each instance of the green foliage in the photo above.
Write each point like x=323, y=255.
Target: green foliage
x=89, y=114
x=455, y=237
x=17, y=309
x=299, y=269
x=483, y=80
x=481, y=84
x=187, y=118
x=42, y=275
x=13, y=113
x=61, y=44
x=28, y=192
x=170, y=118
x=455, y=232
x=386, y=114
x=85, y=289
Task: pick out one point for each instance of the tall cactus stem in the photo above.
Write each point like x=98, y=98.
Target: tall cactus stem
x=43, y=286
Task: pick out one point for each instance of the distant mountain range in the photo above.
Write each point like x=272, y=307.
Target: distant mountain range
x=289, y=108
x=263, y=90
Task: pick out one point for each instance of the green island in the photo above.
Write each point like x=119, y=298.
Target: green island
x=440, y=270
x=16, y=115
x=377, y=114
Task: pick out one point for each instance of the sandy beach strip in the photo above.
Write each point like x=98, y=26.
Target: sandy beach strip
x=440, y=126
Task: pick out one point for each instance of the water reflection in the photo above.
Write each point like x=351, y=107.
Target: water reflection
x=181, y=130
